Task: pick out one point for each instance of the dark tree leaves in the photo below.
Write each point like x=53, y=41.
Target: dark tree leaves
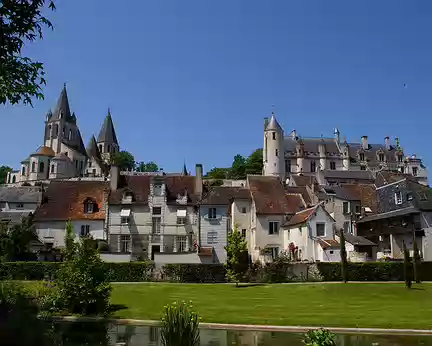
x=124, y=160
x=3, y=173
x=147, y=167
x=21, y=21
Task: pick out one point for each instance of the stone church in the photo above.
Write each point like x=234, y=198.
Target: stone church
x=292, y=155
x=63, y=154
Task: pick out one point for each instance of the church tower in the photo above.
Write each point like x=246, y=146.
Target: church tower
x=107, y=140
x=274, y=151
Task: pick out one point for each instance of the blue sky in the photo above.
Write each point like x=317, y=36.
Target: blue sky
x=199, y=76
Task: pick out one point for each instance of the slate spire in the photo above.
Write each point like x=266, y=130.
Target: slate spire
x=62, y=109
x=92, y=149
x=185, y=172
x=107, y=133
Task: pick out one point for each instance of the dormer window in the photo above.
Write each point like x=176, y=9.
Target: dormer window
x=157, y=189
x=90, y=206
x=361, y=157
x=127, y=197
x=381, y=157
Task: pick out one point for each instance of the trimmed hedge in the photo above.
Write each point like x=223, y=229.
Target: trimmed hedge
x=194, y=273
x=117, y=272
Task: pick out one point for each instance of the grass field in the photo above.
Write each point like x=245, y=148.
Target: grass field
x=337, y=305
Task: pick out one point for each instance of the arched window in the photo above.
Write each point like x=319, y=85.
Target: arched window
x=41, y=167
x=14, y=179
x=52, y=169
x=55, y=130
x=33, y=167
x=23, y=170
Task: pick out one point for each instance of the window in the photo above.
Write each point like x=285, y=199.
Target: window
x=332, y=165
x=23, y=171
x=52, y=169
x=125, y=220
x=358, y=209
x=381, y=157
x=157, y=210
x=423, y=196
x=56, y=130
x=409, y=197
x=90, y=163
x=14, y=179
x=243, y=231
x=157, y=189
x=89, y=207
x=66, y=153
x=273, y=227
x=346, y=227
x=398, y=197
x=212, y=237
x=320, y=229
x=94, y=171
x=288, y=166
x=156, y=225
x=125, y=243
x=331, y=252
x=20, y=206
x=362, y=168
x=212, y=213
x=243, y=210
x=181, y=221
x=361, y=157
x=277, y=152
x=109, y=148
x=313, y=166
x=345, y=207
x=70, y=135
x=85, y=230
x=400, y=158
x=274, y=252
x=274, y=135
x=182, y=243
x=100, y=148
x=415, y=171
x=33, y=167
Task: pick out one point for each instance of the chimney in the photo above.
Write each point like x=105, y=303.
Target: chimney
x=114, y=177
x=266, y=121
x=199, y=180
x=364, y=142
x=387, y=142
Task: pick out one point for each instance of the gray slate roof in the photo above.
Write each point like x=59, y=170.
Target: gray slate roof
x=63, y=108
x=13, y=218
x=358, y=175
x=107, y=132
x=356, y=239
x=273, y=124
x=310, y=145
x=22, y=194
x=341, y=192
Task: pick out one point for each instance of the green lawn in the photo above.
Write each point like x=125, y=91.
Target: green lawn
x=337, y=305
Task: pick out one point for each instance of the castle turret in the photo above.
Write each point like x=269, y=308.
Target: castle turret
x=107, y=140
x=273, y=155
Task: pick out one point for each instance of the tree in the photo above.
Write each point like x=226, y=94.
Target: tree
x=235, y=248
x=70, y=246
x=238, y=168
x=254, y=163
x=124, y=160
x=407, y=267
x=417, y=261
x=4, y=170
x=15, y=240
x=343, y=254
x=218, y=173
x=21, y=21
x=147, y=167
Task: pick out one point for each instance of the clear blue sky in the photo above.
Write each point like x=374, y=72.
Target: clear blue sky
x=199, y=76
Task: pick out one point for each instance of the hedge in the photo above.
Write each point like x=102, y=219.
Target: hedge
x=130, y=272
x=194, y=273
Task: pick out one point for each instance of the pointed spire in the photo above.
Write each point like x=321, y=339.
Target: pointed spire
x=92, y=148
x=62, y=109
x=107, y=132
x=273, y=124
x=185, y=172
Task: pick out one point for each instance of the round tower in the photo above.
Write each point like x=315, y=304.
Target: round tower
x=274, y=152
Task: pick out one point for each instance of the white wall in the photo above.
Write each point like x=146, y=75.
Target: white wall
x=219, y=225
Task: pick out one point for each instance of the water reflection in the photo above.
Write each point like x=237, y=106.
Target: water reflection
x=100, y=334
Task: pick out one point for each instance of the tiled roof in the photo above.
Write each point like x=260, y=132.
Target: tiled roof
x=300, y=217
x=139, y=185
x=385, y=177
x=310, y=145
x=22, y=194
x=341, y=192
x=329, y=243
x=356, y=239
x=222, y=195
x=64, y=200
x=179, y=185
x=303, y=180
x=295, y=203
x=422, y=195
x=268, y=195
x=365, y=193
x=302, y=191
x=355, y=175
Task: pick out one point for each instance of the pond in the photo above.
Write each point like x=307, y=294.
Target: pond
x=101, y=334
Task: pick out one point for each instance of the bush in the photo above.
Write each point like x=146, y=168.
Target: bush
x=319, y=337
x=129, y=272
x=194, y=273
x=180, y=325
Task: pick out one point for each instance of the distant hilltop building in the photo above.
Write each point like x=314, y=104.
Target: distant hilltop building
x=63, y=154
x=291, y=155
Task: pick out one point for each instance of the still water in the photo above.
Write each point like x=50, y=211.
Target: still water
x=92, y=334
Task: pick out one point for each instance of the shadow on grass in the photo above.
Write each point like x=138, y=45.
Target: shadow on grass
x=250, y=285
x=116, y=307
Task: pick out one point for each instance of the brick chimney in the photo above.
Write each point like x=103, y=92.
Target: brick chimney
x=199, y=180
x=114, y=177
x=364, y=142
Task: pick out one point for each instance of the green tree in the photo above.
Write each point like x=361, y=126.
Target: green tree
x=21, y=21
x=147, y=167
x=218, y=173
x=4, y=170
x=254, y=163
x=238, y=168
x=124, y=160
x=236, y=247
x=15, y=240
x=343, y=255
x=417, y=261
x=407, y=267
x=70, y=245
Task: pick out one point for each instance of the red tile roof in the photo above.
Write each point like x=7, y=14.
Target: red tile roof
x=300, y=217
x=295, y=203
x=64, y=200
x=300, y=190
x=222, y=195
x=268, y=195
x=329, y=243
x=365, y=193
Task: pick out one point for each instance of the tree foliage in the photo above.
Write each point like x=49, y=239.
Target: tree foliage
x=240, y=167
x=4, y=170
x=21, y=21
x=147, y=166
x=343, y=255
x=15, y=240
x=124, y=160
x=236, y=247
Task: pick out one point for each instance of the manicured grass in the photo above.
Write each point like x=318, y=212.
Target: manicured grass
x=338, y=305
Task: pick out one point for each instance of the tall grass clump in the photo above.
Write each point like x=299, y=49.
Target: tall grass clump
x=180, y=325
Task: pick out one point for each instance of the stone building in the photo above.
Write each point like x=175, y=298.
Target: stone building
x=62, y=154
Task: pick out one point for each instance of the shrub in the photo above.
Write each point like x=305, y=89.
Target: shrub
x=194, y=273
x=180, y=325
x=319, y=337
